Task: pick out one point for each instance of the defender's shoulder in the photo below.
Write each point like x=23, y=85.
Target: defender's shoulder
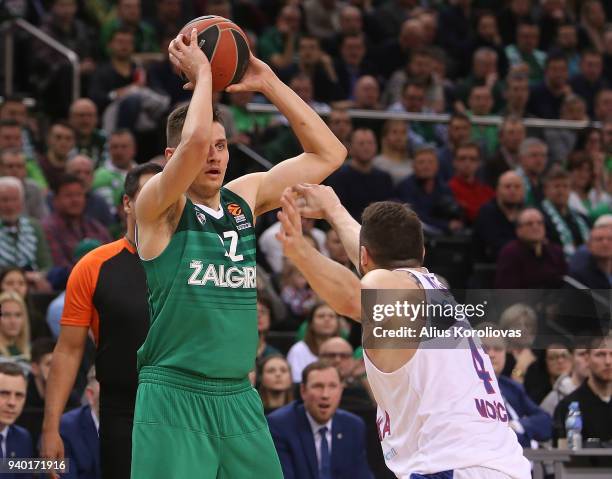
x=387, y=279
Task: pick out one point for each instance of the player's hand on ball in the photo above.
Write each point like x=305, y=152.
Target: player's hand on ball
x=290, y=234
x=257, y=78
x=189, y=59
x=315, y=201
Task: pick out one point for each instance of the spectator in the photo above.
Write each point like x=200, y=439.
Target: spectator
x=90, y=140
x=250, y=126
x=296, y=292
x=544, y=372
x=593, y=396
x=586, y=198
x=367, y=97
x=350, y=23
x=516, y=95
x=22, y=242
x=356, y=392
x=68, y=223
x=168, y=16
x=52, y=72
x=340, y=123
x=430, y=198
x=24, y=282
x=487, y=36
x=459, y=129
x=520, y=356
x=278, y=44
x=607, y=53
x=392, y=54
x=484, y=73
x=96, y=207
x=318, y=66
x=603, y=105
x=392, y=15
x=530, y=422
x=469, y=192
x=413, y=101
x=14, y=327
x=79, y=429
x=276, y=387
x=129, y=18
x=109, y=178
x=263, y=326
x=563, y=226
x=481, y=104
x=567, y=43
x=593, y=22
x=322, y=17
x=316, y=436
x=546, y=98
x=589, y=81
x=561, y=141
x=506, y=157
x=526, y=51
x=592, y=265
x=532, y=163
x=16, y=442
x=394, y=157
x=530, y=262
x=455, y=33
x=568, y=383
x=419, y=68
x=336, y=249
x=358, y=182
x=515, y=13
x=14, y=110
x=494, y=225
x=272, y=249
x=323, y=324
x=351, y=64
x=11, y=137
x=13, y=163
x=60, y=145
x=552, y=14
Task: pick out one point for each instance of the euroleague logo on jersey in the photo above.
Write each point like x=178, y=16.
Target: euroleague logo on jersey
x=235, y=210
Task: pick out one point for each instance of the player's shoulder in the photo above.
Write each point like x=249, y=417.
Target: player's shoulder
x=387, y=279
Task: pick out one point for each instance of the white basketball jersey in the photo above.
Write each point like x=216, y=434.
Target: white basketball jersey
x=443, y=410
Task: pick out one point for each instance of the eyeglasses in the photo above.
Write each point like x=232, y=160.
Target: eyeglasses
x=336, y=355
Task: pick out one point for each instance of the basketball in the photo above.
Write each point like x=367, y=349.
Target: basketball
x=225, y=45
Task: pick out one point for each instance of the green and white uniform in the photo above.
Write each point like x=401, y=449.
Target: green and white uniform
x=197, y=414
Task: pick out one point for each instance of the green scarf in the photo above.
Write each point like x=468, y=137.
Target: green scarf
x=567, y=240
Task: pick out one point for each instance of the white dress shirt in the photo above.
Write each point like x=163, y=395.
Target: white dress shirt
x=95, y=420
x=4, y=434
x=315, y=426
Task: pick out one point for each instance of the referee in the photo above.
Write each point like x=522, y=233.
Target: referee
x=107, y=295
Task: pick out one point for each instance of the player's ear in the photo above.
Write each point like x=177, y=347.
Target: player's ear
x=302, y=390
x=364, y=257
x=168, y=152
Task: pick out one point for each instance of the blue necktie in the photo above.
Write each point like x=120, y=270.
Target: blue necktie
x=325, y=470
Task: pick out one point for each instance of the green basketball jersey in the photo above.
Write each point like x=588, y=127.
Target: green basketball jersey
x=202, y=293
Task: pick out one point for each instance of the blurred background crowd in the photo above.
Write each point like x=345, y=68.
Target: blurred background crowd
x=506, y=203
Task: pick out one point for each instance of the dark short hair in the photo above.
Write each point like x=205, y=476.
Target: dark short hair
x=12, y=99
x=384, y=220
x=555, y=56
x=11, y=368
x=556, y=173
x=9, y=124
x=319, y=365
x=122, y=131
x=121, y=30
x=175, y=122
x=65, y=179
x=41, y=347
x=458, y=116
x=132, y=179
x=63, y=124
x=468, y=144
x=414, y=83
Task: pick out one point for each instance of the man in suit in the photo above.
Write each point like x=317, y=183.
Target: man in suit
x=316, y=440
x=529, y=421
x=15, y=441
x=79, y=431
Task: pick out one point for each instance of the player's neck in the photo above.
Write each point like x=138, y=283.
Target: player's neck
x=603, y=389
x=212, y=202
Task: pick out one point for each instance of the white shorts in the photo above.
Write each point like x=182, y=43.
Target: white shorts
x=466, y=473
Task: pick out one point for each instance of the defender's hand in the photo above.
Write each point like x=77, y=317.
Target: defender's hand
x=258, y=77
x=290, y=234
x=316, y=201
x=189, y=59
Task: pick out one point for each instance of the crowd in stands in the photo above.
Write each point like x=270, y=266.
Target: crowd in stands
x=529, y=206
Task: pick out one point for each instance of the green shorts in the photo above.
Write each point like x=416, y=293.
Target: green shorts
x=191, y=427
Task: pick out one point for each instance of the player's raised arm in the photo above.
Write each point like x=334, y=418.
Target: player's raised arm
x=334, y=283
x=167, y=188
x=323, y=152
x=321, y=202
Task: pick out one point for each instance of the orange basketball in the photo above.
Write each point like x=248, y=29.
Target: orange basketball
x=225, y=45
